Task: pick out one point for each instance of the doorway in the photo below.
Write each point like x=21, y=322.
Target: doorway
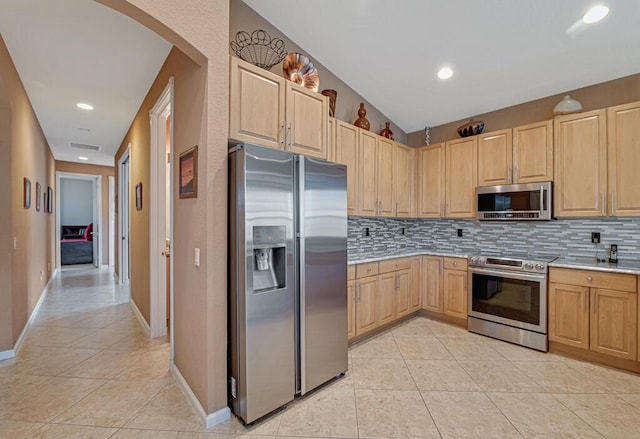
x=160, y=218
x=78, y=219
x=124, y=189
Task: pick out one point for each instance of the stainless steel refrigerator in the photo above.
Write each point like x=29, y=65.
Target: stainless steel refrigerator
x=287, y=276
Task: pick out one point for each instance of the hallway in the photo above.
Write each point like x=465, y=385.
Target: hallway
x=87, y=368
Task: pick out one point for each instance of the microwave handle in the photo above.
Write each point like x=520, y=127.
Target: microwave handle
x=542, y=207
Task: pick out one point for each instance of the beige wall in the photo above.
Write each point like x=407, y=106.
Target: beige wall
x=243, y=18
x=29, y=156
x=199, y=28
x=606, y=94
x=105, y=172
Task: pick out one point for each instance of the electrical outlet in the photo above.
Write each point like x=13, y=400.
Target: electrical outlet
x=403, y=231
x=366, y=232
x=595, y=237
x=460, y=232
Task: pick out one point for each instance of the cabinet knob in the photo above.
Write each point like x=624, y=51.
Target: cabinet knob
x=589, y=278
x=455, y=264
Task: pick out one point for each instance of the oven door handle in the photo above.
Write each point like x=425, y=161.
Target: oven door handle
x=508, y=274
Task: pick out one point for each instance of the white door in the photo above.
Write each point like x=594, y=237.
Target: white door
x=124, y=191
x=95, y=236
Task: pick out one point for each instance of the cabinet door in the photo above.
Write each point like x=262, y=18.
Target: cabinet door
x=432, y=299
x=367, y=177
x=580, y=156
x=569, y=315
x=455, y=293
x=614, y=319
x=351, y=309
x=386, y=300
x=431, y=181
x=403, y=180
x=403, y=292
x=460, y=176
x=495, y=159
x=367, y=289
x=331, y=154
x=415, y=293
x=307, y=115
x=624, y=156
x=533, y=152
x=347, y=154
x=256, y=105
x=384, y=182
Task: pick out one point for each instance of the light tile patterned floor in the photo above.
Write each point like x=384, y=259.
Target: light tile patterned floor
x=87, y=370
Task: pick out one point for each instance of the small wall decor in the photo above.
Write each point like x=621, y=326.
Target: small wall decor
x=38, y=192
x=567, y=106
x=49, y=204
x=427, y=135
x=361, y=121
x=299, y=69
x=259, y=48
x=332, y=95
x=27, y=193
x=386, y=132
x=188, y=173
x=139, y=196
x=471, y=128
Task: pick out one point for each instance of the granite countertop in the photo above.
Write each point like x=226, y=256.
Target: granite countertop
x=363, y=259
x=623, y=266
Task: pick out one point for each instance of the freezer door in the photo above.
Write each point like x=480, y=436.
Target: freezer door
x=262, y=280
x=322, y=247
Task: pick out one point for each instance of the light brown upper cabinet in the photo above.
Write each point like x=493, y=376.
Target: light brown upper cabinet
x=384, y=182
x=347, y=141
x=495, y=158
x=368, y=203
x=533, y=152
x=624, y=157
x=403, y=181
x=431, y=181
x=580, y=162
x=267, y=110
x=461, y=157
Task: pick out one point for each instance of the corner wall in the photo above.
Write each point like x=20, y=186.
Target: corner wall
x=105, y=172
x=34, y=257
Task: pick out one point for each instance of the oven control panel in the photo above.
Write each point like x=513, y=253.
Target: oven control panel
x=508, y=263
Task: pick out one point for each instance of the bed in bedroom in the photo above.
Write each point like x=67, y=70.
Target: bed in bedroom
x=76, y=246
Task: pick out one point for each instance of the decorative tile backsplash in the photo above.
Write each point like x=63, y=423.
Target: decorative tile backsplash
x=566, y=237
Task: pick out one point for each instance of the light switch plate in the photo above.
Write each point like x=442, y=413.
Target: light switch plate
x=197, y=256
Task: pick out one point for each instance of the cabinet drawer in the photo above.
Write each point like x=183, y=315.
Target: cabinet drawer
x=351, y=272
x=394, y=265
x=364, y=270
x=593, y=279
x=455, y=264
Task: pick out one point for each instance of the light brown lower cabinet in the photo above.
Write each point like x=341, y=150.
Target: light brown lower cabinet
x=382, y=293
x=444, y=286
x=593, y=310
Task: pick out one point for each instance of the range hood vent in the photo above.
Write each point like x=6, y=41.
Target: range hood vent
x=84, y=147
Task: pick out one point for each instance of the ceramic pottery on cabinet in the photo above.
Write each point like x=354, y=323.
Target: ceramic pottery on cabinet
x=386, y=132
x=471, y=128
x=332, y=95
x=361, y=121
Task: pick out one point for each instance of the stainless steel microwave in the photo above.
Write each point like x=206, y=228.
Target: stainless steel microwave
x=530, y=201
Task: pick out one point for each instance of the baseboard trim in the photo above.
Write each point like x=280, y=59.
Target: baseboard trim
x=143, y=322
x=209, y=420
x=8, y=354
x=34, y=313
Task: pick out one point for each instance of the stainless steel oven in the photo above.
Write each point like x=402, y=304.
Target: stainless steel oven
x=508, y=299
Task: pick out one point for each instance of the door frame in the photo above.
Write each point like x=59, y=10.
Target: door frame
x=158, y=204
x=123, y=210
x=96, y=181
x=112, y=221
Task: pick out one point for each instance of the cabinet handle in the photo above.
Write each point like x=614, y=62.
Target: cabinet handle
x=593, y=301
x=397, y=286
x=603, y=204
x=584, y=300
x=613, y=203
x=360, y=292
x=284, y=135
x=441, y=209
x=589, y=278
x=290, y=135
x=509, y=175
x=515, y=174
x=355, y=293
x=396, y=208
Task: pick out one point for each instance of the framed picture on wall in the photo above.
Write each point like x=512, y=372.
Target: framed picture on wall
x=49, y=205
x=139, y=196
x=188, y=176
x=27, y=193
x=38, y=194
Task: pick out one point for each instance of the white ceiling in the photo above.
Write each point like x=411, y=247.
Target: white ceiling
x=70, y=51
x=503, y=52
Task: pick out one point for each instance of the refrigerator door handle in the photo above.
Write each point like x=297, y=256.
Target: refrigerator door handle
x=301, y=270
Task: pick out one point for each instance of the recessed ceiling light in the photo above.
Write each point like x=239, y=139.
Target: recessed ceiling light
x=83, y=158
x=595, y=14
x=445, y=73
x=84, y=106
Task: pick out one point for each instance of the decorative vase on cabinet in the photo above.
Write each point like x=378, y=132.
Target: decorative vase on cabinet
x=361, y=121
x=386, y=132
